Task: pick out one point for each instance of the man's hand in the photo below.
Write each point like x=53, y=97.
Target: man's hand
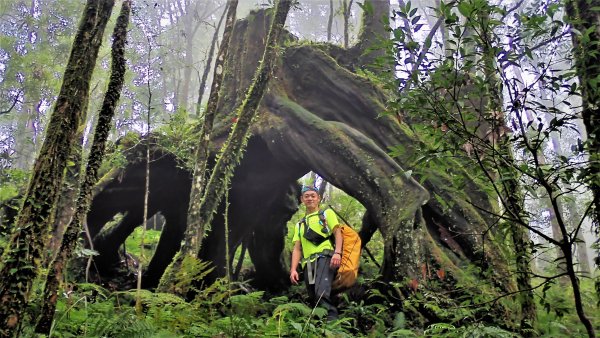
x=294, y=277
x=336, y=260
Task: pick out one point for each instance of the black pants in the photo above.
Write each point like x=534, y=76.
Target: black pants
x=320, y=292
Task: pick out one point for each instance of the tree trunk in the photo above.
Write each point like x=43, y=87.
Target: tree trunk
x=27, y=241
x=211, y=51
x=107, y=111
x=65, y=207
x=586, y=40
x=510, y=190
x=346, y=15
x=209, y=63
x=138, y=296
x=201, y=156
x=25, y=137
x=233, y=148
x=372, y=29
x=330, y=21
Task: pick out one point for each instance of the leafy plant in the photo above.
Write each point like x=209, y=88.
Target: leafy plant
x=132, y=244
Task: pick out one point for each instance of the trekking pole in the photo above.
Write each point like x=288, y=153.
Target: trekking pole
x=364, y=247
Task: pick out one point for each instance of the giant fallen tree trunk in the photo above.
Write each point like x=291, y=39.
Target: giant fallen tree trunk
x=319, y=115
x=310, y=92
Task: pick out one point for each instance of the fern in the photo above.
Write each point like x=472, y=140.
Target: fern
x=478, y=330
x=135, y=329
x=192, y=269
x=439, y=328
x=297, y=309
x=248, y=305
x=402, y=333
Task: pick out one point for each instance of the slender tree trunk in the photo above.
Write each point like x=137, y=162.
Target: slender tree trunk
x=346, y=7
x=27, y=242
x=209, y=62
x=97, y=151
x=586, y=41
x=138, y=299
x=25, y=138
x=330, y=21
x=188, y=64
x=410, y=58
x=191, y=238
x=234, y=146
x=508, y=177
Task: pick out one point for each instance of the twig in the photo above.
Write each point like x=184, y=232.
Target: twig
x=514, y=8
x=13, y=104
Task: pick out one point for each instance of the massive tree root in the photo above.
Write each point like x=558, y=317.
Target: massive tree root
x=319, y=115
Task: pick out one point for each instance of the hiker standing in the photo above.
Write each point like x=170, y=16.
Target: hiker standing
x=318, y=244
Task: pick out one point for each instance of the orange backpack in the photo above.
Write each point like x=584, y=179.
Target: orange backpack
x=348, y=271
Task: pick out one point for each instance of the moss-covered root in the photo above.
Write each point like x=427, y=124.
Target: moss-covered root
x=352, y=162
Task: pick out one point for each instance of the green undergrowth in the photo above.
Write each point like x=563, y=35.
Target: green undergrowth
x=133, y=247
x=222, y=310
x=218, y=311
x=556, y=309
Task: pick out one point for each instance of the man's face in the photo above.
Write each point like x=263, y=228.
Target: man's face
x=311, y=199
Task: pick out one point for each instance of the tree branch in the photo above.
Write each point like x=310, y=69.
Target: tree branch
x=13, y=104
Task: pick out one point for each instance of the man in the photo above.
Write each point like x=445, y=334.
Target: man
x=318, y=242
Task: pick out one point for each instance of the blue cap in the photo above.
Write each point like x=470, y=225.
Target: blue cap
x=306, y=188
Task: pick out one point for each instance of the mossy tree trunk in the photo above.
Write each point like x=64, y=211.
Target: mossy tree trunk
x=73, y=229
x=511, y=196
x=234, y=147
x=28, y=239
x=586, y=40
x=193, y=237
x=211, y=51
x=65, y=207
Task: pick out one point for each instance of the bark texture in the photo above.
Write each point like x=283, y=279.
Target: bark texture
x=233, y=148
x=209, y=60
x=28, y=239
x=74, y=228
x=586, y=40
x=192, y=238
x=318, y=115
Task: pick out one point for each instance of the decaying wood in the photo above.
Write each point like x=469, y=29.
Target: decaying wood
x=319, y=115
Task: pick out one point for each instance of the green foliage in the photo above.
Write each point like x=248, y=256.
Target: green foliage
x=222, y=309
x=556, y=314
x=93, y=312
x=191, y=269
x=472, y=331
x=12, y=183
x=180, y=136
x=132, y=244
x=500, y=111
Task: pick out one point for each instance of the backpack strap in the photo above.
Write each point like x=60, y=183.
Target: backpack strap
x=300, y=224
x=323, y=220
